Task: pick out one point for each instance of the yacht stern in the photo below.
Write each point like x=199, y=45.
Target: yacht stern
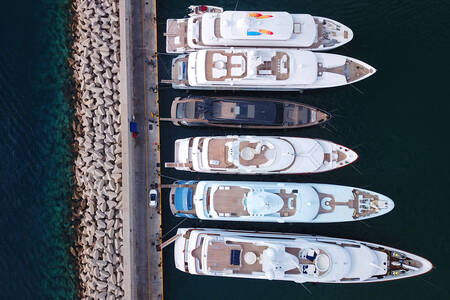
x=179, y=250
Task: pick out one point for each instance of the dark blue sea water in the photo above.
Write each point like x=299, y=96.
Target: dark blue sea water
x=397, y=120
x=35, y=151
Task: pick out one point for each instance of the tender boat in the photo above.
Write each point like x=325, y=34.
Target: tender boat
x=196, y=10
x=263, y=69
x=275, y=202
x=237, y=112
x=291, y=257
x=211, y=27
x=259, y=155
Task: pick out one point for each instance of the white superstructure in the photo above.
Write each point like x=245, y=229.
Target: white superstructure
x=275, y=29
x=291, y=257
x=275, y=202
x=265, y=69
x=259, y=155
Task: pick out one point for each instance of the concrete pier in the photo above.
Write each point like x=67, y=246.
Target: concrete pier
x=144, y=230
x=116, y=80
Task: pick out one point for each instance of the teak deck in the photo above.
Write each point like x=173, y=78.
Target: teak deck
x=259, y=157
x=218, y=151
x=228, y=200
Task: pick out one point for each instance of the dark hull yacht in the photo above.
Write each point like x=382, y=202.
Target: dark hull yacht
x=237, y=112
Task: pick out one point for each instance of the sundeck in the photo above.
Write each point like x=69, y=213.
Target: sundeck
x=265, y=69
x=241, y=112
x=208, y=27
x=259, y=155
x=275, y=202
x=291, y=257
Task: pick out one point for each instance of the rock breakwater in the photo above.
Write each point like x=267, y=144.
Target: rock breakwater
x=97, y=212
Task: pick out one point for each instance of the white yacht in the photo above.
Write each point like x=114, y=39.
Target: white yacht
x=265, y=69
x=211, y=27
x=291, y=257
x=259, y=155
x=275, y=202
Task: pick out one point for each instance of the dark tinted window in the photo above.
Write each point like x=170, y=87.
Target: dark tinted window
x=254, y=112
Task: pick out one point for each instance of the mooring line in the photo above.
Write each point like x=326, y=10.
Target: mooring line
x=358, y=90
x=179, y=223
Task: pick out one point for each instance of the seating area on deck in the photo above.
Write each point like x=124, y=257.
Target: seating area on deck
x=290, y=203
x=363, y=203
x=176, y=35
x=239, y=257
x=313, y=262
x=222, y=256
x=250, y=153
x=221, y=65
x=277, y=65
x=254, y=154
x=218, y=153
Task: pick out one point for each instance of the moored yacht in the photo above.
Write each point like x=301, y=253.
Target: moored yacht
x=275, y=202
x=291, y=257
x=265, y=69
x=211, y=27
x=259, y=155
x=235, y=112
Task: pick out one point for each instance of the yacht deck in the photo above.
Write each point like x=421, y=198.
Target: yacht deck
x=259, y=157
x=222, y=65
x=176, y=35
x=295, y=251
x=228, y=201
x=351, y=70
x=219, y=253
x=218, y=153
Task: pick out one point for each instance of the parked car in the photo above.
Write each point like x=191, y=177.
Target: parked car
x=153, y=198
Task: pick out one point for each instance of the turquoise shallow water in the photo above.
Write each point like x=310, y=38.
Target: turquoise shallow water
x=35, y=151
x=397, y=122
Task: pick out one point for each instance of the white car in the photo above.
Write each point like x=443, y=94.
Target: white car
x=153, y=196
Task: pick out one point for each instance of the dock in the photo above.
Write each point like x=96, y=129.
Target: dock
x=141, y=157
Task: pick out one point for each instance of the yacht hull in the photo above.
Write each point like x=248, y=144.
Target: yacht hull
x=281, y=155
x=324, y=70
x=204, y=111
x=399, y=264
x=182, y=36
x=300, y=202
